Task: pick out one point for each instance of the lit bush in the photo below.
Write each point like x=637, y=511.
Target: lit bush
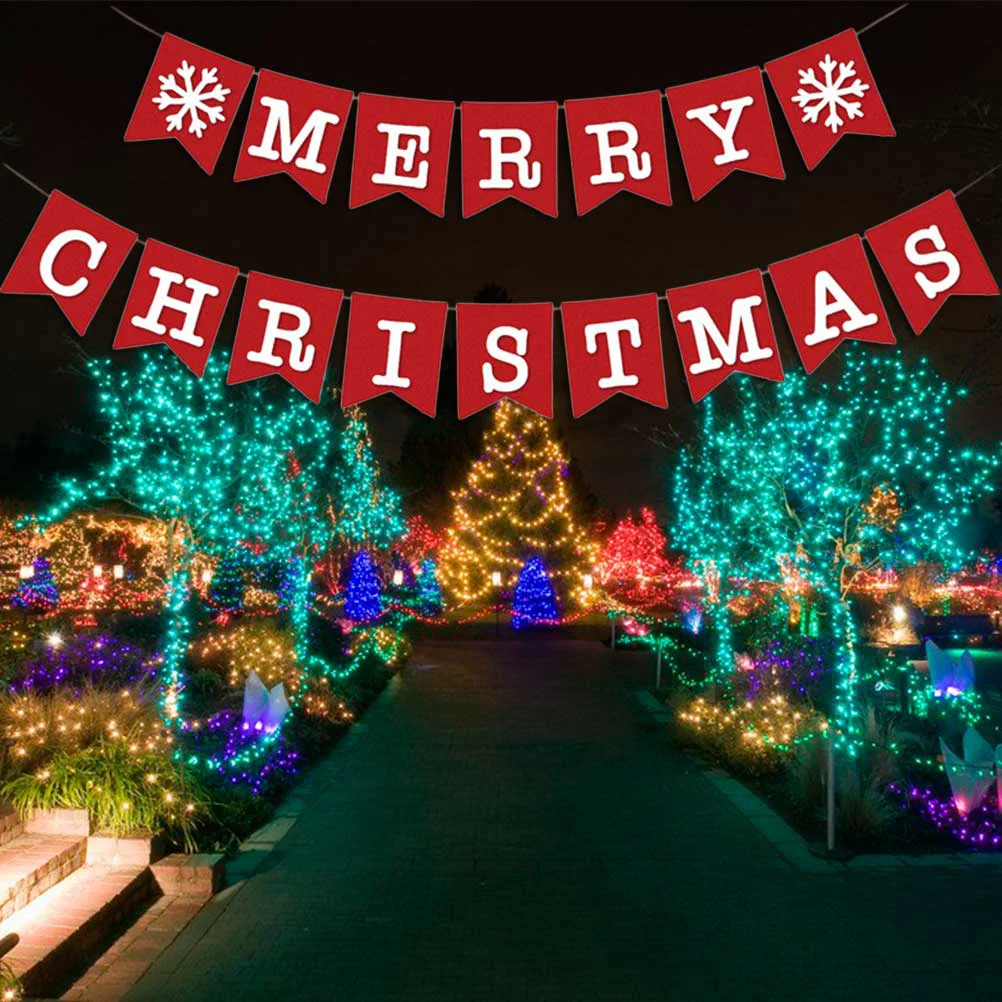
x=752, y=737
x=259, y=645
x=84, y=661
x=124, y=793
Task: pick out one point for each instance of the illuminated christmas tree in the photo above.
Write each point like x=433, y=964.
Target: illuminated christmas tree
x=429, y=597
x=37, y=593
x=515, y=504
x=365, y=510
x=534, y=598
x=226, y=591
x=363, y=597
x=633, y=563
x=419, y=541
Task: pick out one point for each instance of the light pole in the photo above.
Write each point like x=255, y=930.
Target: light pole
x=496, y=581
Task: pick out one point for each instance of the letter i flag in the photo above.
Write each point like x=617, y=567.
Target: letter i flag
x=617, y=144
x=504, y=350
x=401, y=145
x=929, y=254
x=285, y=329
x=295, y=127
x=509, y=151
x=829, y=296
x=723, y=125
x=826, y=91
x=73, y=255
x=191, y=94
x=394, y=346
x=723, y=326
x=177, y=299
x=614, y=346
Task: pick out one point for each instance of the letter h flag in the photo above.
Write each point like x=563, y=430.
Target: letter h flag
x=723, y=326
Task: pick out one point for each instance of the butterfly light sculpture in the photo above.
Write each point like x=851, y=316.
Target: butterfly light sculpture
x=971, y=776
x=264, y=709
x=949, y=676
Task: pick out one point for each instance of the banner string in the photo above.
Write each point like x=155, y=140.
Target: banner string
x=662, y=297
x=560, y=104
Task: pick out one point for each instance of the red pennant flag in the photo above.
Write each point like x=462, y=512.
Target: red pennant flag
x=177, y=299
x=401, y=145
x=723, y=326
x=829, y=296
x=929, y=254
x=191, y=94
x=617, y=144
x=73, y=255
x=723, y=125
x=504, y=350
x=826, y=91
x=295, y=127
x=509, y=151
x=614, y=346
x=394, y=346
x=285, y=329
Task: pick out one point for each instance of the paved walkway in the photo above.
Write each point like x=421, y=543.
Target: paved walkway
x=504, y=827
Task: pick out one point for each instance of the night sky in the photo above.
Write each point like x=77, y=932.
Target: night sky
x=71, y=74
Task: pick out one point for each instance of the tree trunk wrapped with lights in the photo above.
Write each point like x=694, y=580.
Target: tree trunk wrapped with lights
x=516, y=504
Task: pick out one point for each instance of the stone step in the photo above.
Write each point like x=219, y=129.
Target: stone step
x=67, y=928
x=11, y=825
x=30, y=864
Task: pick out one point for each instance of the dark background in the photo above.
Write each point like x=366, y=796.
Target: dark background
x=71, y=74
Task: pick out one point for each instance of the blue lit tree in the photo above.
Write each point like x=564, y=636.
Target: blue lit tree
x=429, y=597
x=534, y=601
x=363, y=596
x=39, y=592
x=227, y=588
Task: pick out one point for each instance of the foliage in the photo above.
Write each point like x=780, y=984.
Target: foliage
x=261, y=645
x=84, y=660
x=633, y=560
x=226, y=590
x=39, y=592
x=124, y=793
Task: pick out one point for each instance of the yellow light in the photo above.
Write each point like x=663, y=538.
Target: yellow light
x=26, y=572
x=54, y=640
x=899, y=614
x=98, y=571
x=398, y=577
x=118, y=572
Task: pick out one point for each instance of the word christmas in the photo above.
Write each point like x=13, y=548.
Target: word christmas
x=394, y=345
x=509, y=150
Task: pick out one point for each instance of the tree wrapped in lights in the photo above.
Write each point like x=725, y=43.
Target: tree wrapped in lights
x=226, y=591
x=363, y=599
x=515, y=504
x=633, y=564
x=850, y=477
x=37, y=593
x=365, y=511
x=419, y=541
x=429, y=596
x=534, y=599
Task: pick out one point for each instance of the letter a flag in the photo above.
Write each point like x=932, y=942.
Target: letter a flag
x=401, y=146
x=617, y=144
x=509, y=151
x=394, y=346
x=191, y=94
x=294, y=127
x=829, y=296
x=614, y=346
x=73, y=255
x=723, y=326
x=827, y=91
x=177, y=299
x=504, y=350
x=285, y=329
x=723, y=125
x=929, y=254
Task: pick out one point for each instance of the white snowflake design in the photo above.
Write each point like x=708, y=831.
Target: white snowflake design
x=831, y=93
x=191, y=98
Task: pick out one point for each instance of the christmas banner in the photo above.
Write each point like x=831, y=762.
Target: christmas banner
x=929, y=254
x=73, y=255
x=394, y=346
x=509, y=149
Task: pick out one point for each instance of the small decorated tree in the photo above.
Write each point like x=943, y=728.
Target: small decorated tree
x=633, y=563
x=429, y=597
x=535, y=601
x=226, y=591
x=37, y=593
x=363, y=596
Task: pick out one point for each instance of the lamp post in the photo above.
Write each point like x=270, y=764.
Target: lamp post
x=496, y=581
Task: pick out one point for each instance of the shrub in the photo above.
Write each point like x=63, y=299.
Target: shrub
x=259, y=645
x=124, y=792
x=85, y=661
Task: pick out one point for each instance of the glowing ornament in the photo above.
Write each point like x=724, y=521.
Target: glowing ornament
x=949, y=676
